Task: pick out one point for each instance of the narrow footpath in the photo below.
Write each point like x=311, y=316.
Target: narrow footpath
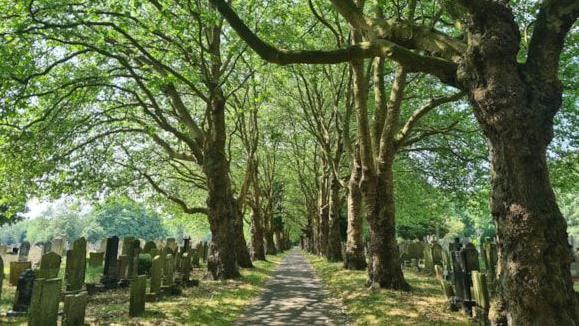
x=293, y=296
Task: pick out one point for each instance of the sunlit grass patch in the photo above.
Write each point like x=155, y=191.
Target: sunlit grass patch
x=425, y=305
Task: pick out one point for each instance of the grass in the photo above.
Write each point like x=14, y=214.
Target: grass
x=425, y=305
x=211, y=303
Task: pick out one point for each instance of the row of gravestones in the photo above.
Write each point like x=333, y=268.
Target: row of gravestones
x=38, y=291
x=57, y=245
x=467, y=278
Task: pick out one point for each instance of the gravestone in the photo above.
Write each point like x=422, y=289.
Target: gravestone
x=149, y=245
x=17, y=268
x=169, y=271
x=490, y=259
x=23, y=293
x=44, y=303
x=480, y=295
x=103, y=245
x=74, y=309
x=132, y=249
x=46, y=247
x=122, y=265
x=185, y=267
x=49, y=266
x=110, y=276
x=186, y=245
x=95, y=259
x=1, y=275
x=172, y=244
x=76, y=265
x=58, y=246
x=137, y=296
x=156, y=274
x=23, y=251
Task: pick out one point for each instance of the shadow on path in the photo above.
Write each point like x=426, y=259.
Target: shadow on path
x=293, y=296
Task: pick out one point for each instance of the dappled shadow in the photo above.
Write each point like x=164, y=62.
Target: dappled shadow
x=293, y=296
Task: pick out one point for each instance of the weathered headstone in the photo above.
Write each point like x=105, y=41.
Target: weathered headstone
x=74, y=309
x=76, y=265
x=169, y=270
x=1, y=275
x=110, y=276
x=16, y=268
x=186, y=245
x=49, y=266
x=44, y=303
x=132, y=252
x=122, y=265
x=58, y=246
x=156, y=274
x=103, y=245
x=137, y=296
x=172, y=243
x=24, y=251
x=23, y=293
x=149, y=245
x=185, y=267
x=480, y=295
x=95, y=259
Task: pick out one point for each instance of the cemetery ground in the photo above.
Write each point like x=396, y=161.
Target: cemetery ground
x=210, y=303
x=424, y=305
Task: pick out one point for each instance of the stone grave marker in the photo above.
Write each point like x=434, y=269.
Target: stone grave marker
x=185, y=267
x=23, y=293
x=44, y=304
x=49, y=266
x=95, y=259
x=156, y=274
x=1, y=275
x=58, y=246
x=103, y=245
x=74, y=309
x=480, y=295
x=110, y=276
x=76, y=265
x=23, y=251
x=172, y=243
x=149, y=245
x=169, y=271
x=122, y=265
x=17, y=268
x=137, y=296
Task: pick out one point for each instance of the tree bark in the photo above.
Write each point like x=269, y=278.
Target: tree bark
x=241, y=250
x=355, y=258
x=220, y=202
x=515, y=109
x=257, y=241
x=324, y=211
x=334, y=246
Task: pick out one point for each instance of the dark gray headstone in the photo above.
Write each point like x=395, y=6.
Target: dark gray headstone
x=23, y=292
x=110, y=276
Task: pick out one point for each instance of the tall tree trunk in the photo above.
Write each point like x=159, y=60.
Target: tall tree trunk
x=355, y=258
x=241, y=250
x=278, y=241
x=516, y=114
x=334, y=247
x=257, y=240
x=385, y=268
x=220, y=202
x=269, y=243
x=324, y=211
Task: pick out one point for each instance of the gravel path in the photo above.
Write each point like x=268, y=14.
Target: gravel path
x=293, y=296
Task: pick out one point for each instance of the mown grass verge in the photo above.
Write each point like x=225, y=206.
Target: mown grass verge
x=424, y=305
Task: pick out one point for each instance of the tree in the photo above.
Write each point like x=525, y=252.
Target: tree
x=514, y=103
x=149, y=104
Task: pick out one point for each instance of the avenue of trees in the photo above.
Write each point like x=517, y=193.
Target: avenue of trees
x=328, y=122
